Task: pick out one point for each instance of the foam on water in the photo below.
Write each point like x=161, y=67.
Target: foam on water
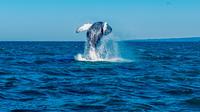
x=107, y=51
x=80, y=57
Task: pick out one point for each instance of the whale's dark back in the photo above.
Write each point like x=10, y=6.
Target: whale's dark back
x=95, y=33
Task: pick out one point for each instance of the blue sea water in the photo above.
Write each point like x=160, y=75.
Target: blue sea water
x=44, y=76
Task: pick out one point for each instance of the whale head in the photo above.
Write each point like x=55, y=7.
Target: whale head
x=106, y=28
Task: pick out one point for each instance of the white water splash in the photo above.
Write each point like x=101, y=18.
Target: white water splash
x=107, y=51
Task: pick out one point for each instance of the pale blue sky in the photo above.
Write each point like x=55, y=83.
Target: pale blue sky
x=131, y=19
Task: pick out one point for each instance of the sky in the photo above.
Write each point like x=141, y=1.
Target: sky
x=57, y=20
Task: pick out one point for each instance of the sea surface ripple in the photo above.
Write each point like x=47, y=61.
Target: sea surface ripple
x=44, y=76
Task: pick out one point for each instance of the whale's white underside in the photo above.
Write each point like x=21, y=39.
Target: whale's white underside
x=84, y=27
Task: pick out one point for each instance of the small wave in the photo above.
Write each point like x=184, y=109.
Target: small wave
x=194, y=101
x=24, y=110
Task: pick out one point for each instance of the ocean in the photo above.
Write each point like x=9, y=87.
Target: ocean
x=46, y=77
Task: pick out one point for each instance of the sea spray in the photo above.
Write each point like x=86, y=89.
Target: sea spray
x=106, y=51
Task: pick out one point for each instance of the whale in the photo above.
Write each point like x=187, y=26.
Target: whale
x=95, y=32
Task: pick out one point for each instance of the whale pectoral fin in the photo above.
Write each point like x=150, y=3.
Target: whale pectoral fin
x=84, y=27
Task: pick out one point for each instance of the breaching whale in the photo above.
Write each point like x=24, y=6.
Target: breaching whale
x=95, y=32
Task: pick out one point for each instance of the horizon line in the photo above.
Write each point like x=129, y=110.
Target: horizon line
x=136, y=39
x=150, y=39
